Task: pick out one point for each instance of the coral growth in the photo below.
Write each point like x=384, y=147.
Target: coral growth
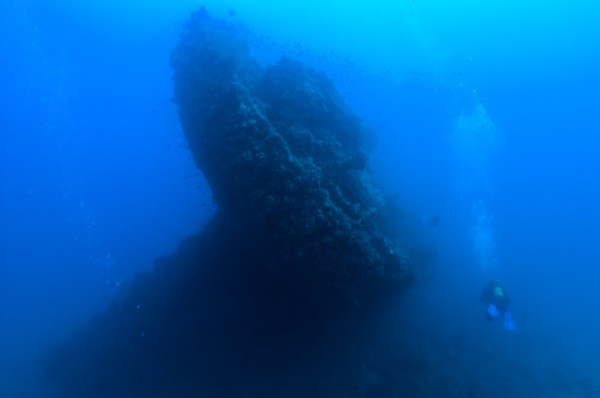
x=288, y=268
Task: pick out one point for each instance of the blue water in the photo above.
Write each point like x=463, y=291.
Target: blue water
x=484, y=118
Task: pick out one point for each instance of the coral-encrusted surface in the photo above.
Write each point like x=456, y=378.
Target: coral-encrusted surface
x=285, y=156
x=272, y=295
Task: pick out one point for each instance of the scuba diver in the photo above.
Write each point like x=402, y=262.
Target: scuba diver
x=496, y=302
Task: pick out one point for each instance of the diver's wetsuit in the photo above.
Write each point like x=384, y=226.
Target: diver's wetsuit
x=494, y=293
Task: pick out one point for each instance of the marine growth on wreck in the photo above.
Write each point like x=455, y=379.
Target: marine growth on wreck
x=272, y=295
